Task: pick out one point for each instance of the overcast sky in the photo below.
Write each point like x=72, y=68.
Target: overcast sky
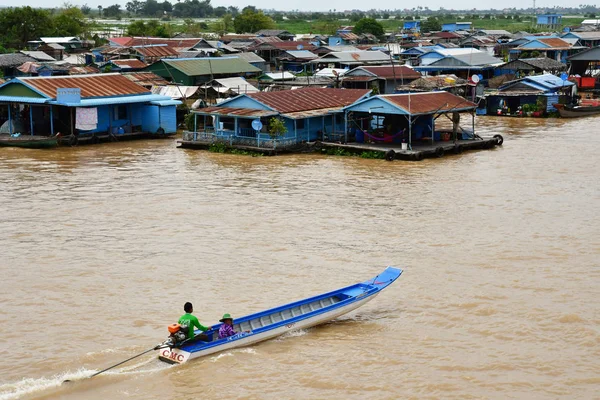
x=319, y=5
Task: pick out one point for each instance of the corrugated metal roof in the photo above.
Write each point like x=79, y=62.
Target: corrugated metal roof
x=121, y=41
x=93, y=85
x=554, y=42
x=129, y=63
x=429, y=103
x=38, y=55
x=175, y=92
x=235, y=84
x=289, y=101
x=302, y=54
x=156, y=51
x=146, y=78
x=250, y=57
x=353, y=57
x=362, y=78
x=287, y=45
x=185, y=43
x=391, y=72
x=236, y=112
x=83, y=70
x=211, y=66
x=312, y=113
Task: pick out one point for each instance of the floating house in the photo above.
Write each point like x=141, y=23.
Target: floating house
x=458, y=62
x=586, y=62
x=351, y=59
x=383, y=78
x=586, y=39
x=280, y=33
x=308, y=114
x=406, y=126
x=535, y=93
x=124, y=65
x=554, y=48
x=84, y=108
x=530, y=66
x=294, y=60
x=194, y=71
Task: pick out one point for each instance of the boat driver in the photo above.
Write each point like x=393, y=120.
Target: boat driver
x=189, y=322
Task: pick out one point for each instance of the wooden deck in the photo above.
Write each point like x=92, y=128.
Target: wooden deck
x=393, y=151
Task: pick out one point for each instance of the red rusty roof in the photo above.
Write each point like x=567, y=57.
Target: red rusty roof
x=288, y=101
x=156, y=51
x=429, y=102
x=388, y=71
x=146, y=78
x=129, y=63
x=238, y=112
x=121, y=41
x=94, y=85
x=555, y=43
x=445, y=35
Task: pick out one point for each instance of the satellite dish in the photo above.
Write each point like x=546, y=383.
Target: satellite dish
x=257, y=125
x=299, y=47
x=475, y=78
x=219, y=44
x=564, y=76
x=420, y=44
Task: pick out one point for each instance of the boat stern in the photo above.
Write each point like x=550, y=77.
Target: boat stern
x=173, y=355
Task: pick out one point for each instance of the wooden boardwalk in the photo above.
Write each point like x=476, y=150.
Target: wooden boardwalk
x=393, y=151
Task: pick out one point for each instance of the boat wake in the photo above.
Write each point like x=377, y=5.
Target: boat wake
x=33, y=385
x=30, y=386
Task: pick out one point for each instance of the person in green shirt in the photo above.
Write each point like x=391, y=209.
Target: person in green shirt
x=189, y=322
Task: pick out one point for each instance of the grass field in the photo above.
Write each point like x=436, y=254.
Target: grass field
x=389, y=25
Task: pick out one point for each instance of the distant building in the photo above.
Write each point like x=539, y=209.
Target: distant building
x=413, y=26
x=457, y=26
x=549, y=21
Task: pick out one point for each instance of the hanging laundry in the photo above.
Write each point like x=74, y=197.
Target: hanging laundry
x=86, y=119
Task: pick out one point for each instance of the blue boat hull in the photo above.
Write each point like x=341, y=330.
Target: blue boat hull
x=277, y=321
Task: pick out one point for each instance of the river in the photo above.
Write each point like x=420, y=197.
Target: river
x=102, y=245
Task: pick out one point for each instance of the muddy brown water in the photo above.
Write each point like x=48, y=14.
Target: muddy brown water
x=102, y=245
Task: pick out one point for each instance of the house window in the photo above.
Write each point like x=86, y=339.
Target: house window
x=299, y=124
x=120, y=112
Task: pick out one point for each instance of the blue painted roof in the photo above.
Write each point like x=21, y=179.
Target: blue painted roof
x=549, y=81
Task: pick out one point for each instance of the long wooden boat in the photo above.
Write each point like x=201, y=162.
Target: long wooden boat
x=29, y=141
x=277, y=321
x=568, y=111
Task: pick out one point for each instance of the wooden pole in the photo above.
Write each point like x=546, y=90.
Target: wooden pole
x=51, y=122
x=72, y=133
x=9, y=121
x=31, y=119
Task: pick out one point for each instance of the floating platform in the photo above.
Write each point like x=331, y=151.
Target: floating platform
x=419, y=151
x=74, y=140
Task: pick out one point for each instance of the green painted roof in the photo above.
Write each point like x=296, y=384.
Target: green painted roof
x=211, y=66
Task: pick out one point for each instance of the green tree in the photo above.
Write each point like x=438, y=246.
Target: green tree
x=250, y=21
x=86, y=10
x=431, y=24
x=21, y=24
x=276, y=127
x=369, y=25
x=112, y=11
x=70, y=22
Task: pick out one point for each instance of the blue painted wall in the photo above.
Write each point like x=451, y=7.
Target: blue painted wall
x=150, y=122
x=377, y=106
x=245, y=102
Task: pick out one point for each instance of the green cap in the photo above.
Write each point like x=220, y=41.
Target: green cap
x=225, y=316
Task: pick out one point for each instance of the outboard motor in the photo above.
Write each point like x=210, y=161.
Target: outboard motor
x=178, y=334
